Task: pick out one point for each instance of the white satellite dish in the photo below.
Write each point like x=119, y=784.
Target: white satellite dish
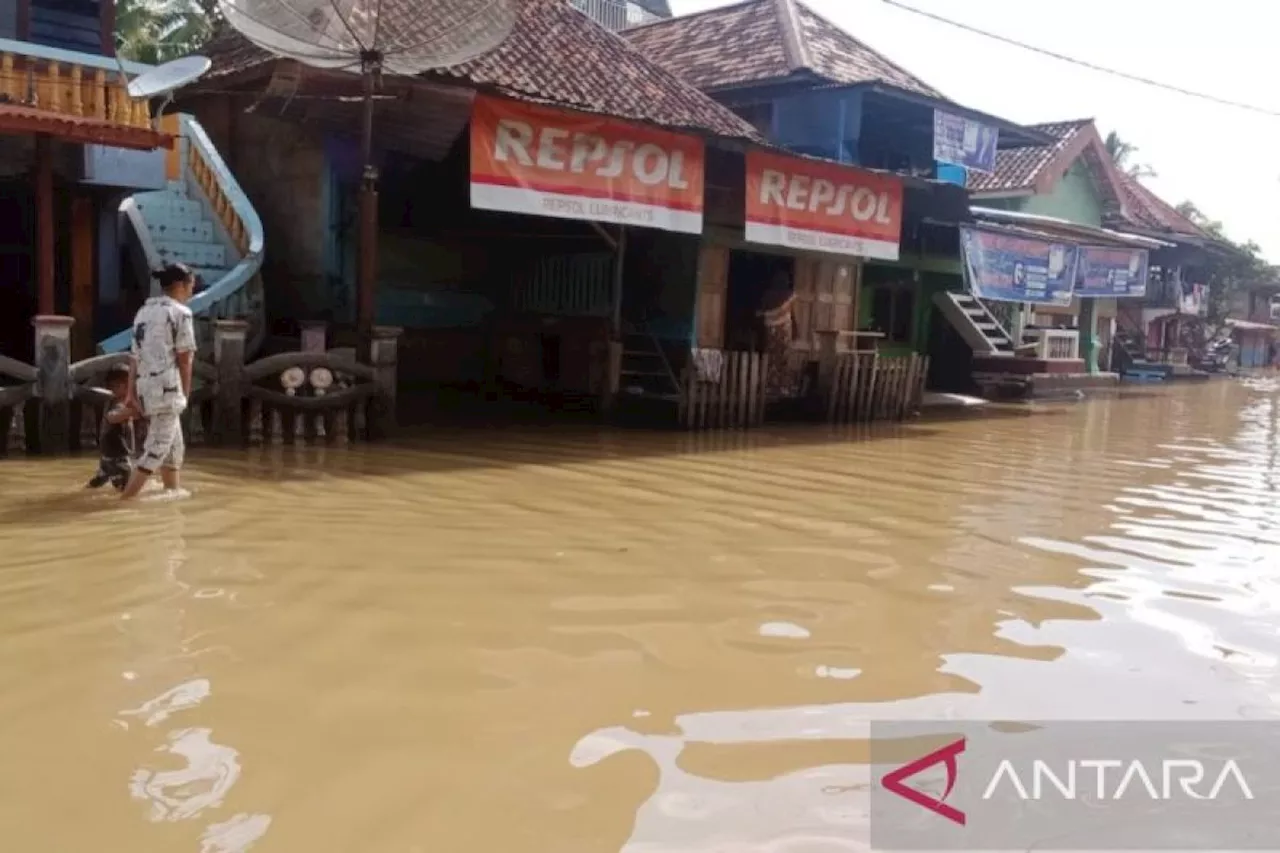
x=164, y=79
x=369, y=37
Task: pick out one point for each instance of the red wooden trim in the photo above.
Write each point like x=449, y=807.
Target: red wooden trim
x=45, y=224
x=83, y=280
x=87, y=131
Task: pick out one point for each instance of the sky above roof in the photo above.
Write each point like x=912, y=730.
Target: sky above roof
x=1224, y=159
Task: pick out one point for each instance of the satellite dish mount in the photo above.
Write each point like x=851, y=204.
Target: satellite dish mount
x=168, y=78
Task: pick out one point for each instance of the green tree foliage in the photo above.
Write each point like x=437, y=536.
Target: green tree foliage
x=1239, y=268
x=1122, y=154
x=155, y=31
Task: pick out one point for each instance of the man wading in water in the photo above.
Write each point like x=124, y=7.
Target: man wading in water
x=164, y=347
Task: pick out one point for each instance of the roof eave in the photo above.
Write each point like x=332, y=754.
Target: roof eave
x=1015, y=192
x=1010, y=131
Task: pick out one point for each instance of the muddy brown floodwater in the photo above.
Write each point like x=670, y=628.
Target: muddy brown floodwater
x=566, y=639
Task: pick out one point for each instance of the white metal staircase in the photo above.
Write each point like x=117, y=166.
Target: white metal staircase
x=203, y=219
x=981, y=331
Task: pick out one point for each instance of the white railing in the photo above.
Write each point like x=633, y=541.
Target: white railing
x=614, y=15
x=1053, y=344
x=238, y=294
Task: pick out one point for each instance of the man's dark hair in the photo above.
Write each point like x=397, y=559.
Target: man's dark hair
x=171, y=274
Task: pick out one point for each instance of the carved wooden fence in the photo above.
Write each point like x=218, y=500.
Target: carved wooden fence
x=868, y=386
x=321, y=395
x=726, y=389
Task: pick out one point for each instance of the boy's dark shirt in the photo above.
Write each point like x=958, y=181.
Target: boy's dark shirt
x=115, y=444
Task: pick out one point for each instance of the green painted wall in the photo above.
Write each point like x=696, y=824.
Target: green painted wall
x=931, y=276
x=1073, y=199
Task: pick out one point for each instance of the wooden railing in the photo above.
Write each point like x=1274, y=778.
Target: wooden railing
x=238, y=294
x=869, y=386
x=65, y=83
x=730, y=394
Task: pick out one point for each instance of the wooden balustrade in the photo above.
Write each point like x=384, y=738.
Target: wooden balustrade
x=207, y=178
x=71, y=90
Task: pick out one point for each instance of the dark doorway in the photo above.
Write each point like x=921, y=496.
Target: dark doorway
x=751, y=276
x=950, y=358
x=17, y=271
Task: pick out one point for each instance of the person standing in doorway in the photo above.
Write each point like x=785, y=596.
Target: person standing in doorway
x=164, y=349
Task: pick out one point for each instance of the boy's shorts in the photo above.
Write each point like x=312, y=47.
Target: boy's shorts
x=164, y=446
x=113, y=471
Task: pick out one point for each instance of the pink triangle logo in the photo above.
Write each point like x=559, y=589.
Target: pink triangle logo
x=945, y=755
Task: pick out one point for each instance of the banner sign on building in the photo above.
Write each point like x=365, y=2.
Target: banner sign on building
x=1107, y=272
x=533, y=159
x=1012, y=268
x=824, y=207
x=964, y=142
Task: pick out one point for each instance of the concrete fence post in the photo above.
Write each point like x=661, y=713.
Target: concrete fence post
x=315, y=336
x=228, y=359
x=383, y=358
x=53, y=381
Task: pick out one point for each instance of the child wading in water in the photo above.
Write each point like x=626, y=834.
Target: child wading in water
x=117, y=441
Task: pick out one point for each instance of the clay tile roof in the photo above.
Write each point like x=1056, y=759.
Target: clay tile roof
x=1020, y=168
x=555, y=55
x=1147, y=210
x=762, y=41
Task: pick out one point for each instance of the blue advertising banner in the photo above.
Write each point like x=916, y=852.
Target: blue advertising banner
x=964, y=142
x=1107, y=272
x=1011, y=268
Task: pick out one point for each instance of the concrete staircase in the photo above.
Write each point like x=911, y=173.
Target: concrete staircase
x=981, y=331
x=203, y=219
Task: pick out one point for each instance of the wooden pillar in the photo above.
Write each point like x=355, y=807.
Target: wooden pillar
x=367, y=269
x=53, y=382
x=383, y=358
x=83, y=292
x=615, y=313
x=712, y=296
x=228, y=360
x=44, y=226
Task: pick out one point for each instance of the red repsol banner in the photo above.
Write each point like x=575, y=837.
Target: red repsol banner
x=825, y=207
x=533, y=159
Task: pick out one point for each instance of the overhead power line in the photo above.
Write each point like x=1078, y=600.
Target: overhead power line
x=1084, y=63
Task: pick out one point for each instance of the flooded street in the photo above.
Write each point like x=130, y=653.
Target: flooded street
x=539, y=639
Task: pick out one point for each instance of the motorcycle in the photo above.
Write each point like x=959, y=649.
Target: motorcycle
x=1214, y=358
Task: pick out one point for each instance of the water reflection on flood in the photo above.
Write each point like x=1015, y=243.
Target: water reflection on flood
x=581, y=640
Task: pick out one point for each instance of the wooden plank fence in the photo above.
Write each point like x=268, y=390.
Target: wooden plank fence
x=736, y=400
x=868, y=386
